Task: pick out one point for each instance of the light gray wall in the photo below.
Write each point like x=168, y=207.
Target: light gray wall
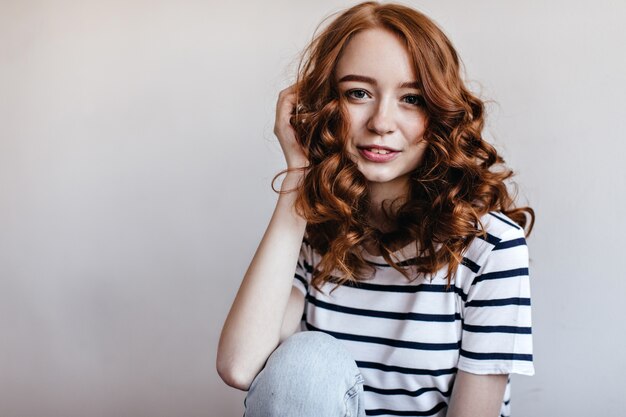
x=136, y=152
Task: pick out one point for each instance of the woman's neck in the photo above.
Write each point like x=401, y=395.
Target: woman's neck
x=390, y=195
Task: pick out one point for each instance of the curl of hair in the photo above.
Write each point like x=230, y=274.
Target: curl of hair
x=460, y=179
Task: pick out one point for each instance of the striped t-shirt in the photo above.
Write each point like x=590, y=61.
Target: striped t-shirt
x=409, y=339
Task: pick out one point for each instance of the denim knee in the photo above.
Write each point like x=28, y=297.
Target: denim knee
x=312, y=351
x=310, y=374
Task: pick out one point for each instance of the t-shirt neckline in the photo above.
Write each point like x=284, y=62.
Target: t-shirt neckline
x=406, y=252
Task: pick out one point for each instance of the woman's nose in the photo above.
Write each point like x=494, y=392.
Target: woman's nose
x=382, y=119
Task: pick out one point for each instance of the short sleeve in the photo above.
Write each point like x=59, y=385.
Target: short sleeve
x=497, y=328
x=302, y=275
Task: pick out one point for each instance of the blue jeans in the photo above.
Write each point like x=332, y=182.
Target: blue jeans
x=310, y=374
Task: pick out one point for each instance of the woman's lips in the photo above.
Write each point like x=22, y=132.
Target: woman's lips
x=378, y=157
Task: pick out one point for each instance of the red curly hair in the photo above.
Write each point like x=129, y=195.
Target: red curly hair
x=460, y=179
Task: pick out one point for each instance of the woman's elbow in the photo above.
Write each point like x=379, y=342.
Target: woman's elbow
x=231, y=377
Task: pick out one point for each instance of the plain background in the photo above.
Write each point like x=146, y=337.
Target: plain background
x=136, y=154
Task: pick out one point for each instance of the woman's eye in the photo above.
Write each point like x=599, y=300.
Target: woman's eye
x=414, y=99
x=359, y=94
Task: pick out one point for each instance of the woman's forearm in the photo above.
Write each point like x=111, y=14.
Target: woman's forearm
x=251, y=331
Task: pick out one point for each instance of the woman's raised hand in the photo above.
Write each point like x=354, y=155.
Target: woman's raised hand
x=284, y=131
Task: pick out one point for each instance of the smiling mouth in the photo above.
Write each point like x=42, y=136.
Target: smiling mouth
x=378, y=150
x=378, y=155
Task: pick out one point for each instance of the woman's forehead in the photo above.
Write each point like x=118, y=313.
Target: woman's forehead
x=376, y=53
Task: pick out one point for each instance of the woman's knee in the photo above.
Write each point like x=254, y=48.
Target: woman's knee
x=312, y=351
x=307, y=368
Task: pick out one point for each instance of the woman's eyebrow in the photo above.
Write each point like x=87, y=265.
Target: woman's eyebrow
x=369, y=80
x=362, y=78
x=410, y=84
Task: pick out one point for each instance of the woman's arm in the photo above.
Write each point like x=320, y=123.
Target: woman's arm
x=254, y=325
x=496, y=338
x=477, y=395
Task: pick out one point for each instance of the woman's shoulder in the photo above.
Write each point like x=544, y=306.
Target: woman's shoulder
x=502, y=236
x=500, y=227
x=501, y=252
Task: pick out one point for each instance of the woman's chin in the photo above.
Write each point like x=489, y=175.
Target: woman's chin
x=387, y=182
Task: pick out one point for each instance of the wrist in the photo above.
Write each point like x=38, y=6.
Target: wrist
x=292, y=180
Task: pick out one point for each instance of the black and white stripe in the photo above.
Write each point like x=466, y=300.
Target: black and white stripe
x=409, y=339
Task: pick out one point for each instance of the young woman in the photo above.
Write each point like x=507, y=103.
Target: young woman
x=411, y=293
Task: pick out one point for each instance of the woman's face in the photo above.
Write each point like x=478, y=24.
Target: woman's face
x=377, y=84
